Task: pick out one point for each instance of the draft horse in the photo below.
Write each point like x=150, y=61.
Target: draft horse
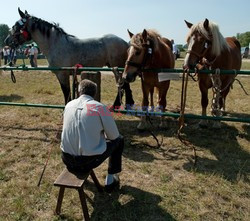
x=148, y=50
x=207, y=48
x=62, y=49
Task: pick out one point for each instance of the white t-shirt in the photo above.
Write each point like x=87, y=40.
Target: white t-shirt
x=86, y=125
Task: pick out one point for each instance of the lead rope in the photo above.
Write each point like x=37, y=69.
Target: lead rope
x=119, y=82
x=181, y=118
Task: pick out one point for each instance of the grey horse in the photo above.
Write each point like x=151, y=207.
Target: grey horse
x=62, y=49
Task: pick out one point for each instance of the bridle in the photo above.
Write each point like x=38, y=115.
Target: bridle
x=20, y=29
x=147, y=55
x=202, y=60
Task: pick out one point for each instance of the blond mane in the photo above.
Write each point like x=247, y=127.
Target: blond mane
x=218, y=41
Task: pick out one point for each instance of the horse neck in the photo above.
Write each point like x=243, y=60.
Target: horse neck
x=163, y=58
x=46, y=44
x=42, y=41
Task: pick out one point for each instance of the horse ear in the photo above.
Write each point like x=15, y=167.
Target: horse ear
x=144, y=35
x=21, y=13
x=189, y=25
x=130, y=34
x=206, y=24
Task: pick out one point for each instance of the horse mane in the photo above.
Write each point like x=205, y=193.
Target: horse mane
x=45, y=27
x=153, y=36
x=218, y=41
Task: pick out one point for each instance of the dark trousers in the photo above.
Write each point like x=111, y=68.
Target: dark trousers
x=32, y=61
x=83, y=164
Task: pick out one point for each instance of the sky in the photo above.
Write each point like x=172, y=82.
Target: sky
x=94, y=18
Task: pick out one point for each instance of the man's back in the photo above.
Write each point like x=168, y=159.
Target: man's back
x=85, y=122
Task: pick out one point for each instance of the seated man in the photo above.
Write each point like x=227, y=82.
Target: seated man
x=90, y=136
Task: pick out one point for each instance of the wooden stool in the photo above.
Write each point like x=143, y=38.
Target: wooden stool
x=69, y=180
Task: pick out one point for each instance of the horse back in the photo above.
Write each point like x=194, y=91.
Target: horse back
x=235, y=52
x=169, y=60
x=116, y=49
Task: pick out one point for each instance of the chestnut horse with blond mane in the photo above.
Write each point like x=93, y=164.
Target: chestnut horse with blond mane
x=208, y=49
x=148, y=50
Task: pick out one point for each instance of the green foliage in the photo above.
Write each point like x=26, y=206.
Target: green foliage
x=244, y=39
x=4, y=31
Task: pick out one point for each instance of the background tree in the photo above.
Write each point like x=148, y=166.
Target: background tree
x=4, y=31
x=244, y=38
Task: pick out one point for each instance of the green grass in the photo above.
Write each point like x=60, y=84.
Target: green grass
x=156, y=183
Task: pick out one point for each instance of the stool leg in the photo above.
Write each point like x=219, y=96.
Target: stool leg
x=84, y=204
x=59, y=200
x=96, y=181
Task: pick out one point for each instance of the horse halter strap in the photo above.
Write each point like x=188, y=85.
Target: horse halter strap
x=23, y=29
x=149, y=52
x=200, y=56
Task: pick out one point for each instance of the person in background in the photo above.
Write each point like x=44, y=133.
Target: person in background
x=31, y=55
x=6, y=55
x=175, y=49
x=90, y=136
x=35, y=55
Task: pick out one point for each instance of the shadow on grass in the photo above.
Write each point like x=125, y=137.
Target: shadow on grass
x=232, y=162
x=129, y=204
x=138, y=144
x=10, y=98
x=237, y=115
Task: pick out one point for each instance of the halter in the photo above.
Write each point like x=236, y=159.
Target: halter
x=22, y=25
x=149, y=53
x=202, y=60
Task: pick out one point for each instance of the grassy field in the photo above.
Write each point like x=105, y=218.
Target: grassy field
x=156, y=183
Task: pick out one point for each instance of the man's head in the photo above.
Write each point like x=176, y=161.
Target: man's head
x=87, y=87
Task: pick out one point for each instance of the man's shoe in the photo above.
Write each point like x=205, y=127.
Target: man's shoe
x=111, y=187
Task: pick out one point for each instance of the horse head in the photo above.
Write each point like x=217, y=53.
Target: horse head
x=139, y=52
x=19, y=33
x=199, y=43
x=205, y=42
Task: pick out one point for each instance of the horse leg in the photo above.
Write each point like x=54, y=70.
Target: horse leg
x=162, y=102
x=63, y=79
x=151, y=104
x=129, y=97
x=143, y=124
x=204, y=103
x=223, y=100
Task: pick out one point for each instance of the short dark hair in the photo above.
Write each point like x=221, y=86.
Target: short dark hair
x=87, y=87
